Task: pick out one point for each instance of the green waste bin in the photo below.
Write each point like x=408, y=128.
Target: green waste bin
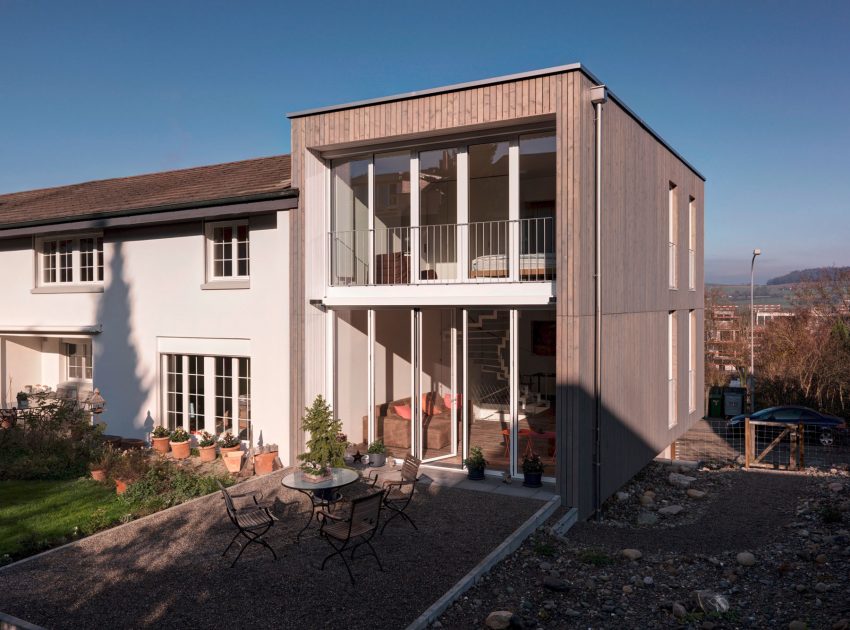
x=715, y=404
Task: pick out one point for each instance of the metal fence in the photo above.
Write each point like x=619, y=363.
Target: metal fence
x=714, y=441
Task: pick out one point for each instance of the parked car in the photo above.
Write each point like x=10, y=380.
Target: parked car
x=828, y=427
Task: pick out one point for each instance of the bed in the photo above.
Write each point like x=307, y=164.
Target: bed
x=531, y=266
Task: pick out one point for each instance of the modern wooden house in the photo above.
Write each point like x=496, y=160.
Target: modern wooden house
x=514, y=263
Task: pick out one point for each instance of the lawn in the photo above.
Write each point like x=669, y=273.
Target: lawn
x=36, y=515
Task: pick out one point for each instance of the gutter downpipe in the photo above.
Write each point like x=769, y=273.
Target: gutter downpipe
x=598, y=96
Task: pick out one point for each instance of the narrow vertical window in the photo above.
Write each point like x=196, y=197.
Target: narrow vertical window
x=692, y=361
x=99, y=261
x=174, y=390
x=223, y=394
x=673, y=227
x=48, y=261
x=87, y=259
x=672, y=368
x=692, y=244
x=66, y=260
x=242, y=263
x=196, y=393
x=222, y=251
x=244, y=398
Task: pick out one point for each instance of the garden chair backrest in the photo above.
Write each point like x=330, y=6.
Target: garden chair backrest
x=228, y=502
x=367, y=509
x=410, y=468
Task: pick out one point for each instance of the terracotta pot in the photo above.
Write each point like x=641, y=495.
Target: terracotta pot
x=264, y=463
x=207, y=453
x=181, y=450
x=120, y=486
x=161, y=444
x=230, y=449
x=98, y=475
x=233, y=461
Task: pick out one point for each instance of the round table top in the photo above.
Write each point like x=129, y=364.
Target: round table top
x=339, y=477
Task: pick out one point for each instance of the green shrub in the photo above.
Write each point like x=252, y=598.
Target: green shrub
x=165, y=485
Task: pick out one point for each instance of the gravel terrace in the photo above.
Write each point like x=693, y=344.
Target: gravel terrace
x=166, y=571
x=774, y=545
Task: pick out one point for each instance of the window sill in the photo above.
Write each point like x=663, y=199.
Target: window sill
x=71, y=288
x=226, y=284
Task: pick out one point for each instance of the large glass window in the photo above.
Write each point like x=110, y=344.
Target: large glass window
x=392, y=218
x=350, y=222
x=70, y=260
x=394, y=405
x=174, y=390
x=351, y=404
x=438, y=214
x=196, y=393
x=488, y=210
x=223, y=394
x=537, y=198
x=244, y=398
x=536, y=349
x=78, y=361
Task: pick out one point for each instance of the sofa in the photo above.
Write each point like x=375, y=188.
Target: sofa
x=392, y=422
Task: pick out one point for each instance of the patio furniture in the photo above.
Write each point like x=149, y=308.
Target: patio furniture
x=399, y=492
x=356, y=530
x=322, y=494
x=252, y=522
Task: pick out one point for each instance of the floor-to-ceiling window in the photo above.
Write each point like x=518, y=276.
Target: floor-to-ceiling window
x=537, y=197
x=392, y=217
x=439, y=368
x=393, y=380
x=351, y=399
x=438, y=214
x=489, y=228
x=350, y=221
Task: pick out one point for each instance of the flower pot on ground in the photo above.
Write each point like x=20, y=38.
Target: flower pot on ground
x=159, y=440
x=98, y=474
x=232, y=461
x=264, y=461
x=105, y=462
x=475, y=464
x=180, y=443
x=377, y=454
x=207, y=446
x=23, y=400
x=532, y=471
x=121, y=486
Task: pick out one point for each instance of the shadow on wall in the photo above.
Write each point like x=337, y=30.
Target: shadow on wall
x=118, y=373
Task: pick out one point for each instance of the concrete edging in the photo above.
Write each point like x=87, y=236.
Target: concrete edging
x=112, y=529
x=508, y=546
x=8, y=622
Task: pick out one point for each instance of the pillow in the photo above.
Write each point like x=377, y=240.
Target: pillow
x=432, y=404
x=451, y=400
x=403, y=411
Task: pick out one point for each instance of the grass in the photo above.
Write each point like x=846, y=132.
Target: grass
x=36, y=515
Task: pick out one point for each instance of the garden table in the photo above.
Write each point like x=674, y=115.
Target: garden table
x=322, y=494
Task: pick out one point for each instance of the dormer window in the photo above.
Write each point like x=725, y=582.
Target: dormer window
x=68, y=261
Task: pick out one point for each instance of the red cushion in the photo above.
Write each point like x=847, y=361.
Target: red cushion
x=403, y=411
x=451, y=400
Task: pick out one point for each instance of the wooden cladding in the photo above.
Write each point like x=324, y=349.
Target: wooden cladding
x=488, y=104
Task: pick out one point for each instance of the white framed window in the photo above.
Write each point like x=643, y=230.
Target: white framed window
x=692, y=244
x=692, y=361
x=228, y=251
x=672, y=367
x=69, y=260
x=673, y=229
x=207, y=393
x=78, y=361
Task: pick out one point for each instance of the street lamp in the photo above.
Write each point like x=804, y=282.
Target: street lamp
x=756, y=252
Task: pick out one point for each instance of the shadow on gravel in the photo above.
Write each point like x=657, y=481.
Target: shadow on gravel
x=168, y=569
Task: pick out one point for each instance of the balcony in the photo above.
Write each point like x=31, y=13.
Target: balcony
x=484, y=252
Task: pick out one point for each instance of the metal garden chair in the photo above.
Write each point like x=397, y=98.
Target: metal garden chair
x=352, y=532
x=398, y=493
x=252, y=522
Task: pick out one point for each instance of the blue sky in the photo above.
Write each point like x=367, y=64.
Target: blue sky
x=755, y=94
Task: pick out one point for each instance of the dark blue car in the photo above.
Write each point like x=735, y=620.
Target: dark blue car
x=828, y=427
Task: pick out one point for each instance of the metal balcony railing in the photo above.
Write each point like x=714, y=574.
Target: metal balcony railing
x=488, y=251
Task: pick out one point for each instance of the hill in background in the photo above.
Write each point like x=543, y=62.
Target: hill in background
x=808, y=275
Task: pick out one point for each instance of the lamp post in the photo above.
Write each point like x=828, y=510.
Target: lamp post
x=751, y=384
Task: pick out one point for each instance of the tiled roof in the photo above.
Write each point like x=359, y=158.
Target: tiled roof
x=267, y=177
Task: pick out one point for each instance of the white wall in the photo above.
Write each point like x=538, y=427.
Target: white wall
x=153, y=278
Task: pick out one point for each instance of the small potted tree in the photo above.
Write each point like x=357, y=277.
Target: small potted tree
x=160, y=438
x=206, y=446
x=377, y=453
x=23, y=400
x=532, y=470
x=324, y=449
x=475, y=463
x=180, y=444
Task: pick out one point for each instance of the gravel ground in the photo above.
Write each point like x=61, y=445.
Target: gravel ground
x=775, y=546
x=166, y=570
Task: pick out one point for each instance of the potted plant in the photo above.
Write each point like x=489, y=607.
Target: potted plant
x=324, y=449
x=377, y=453
x=23, y=400
x=475, y=463
x=104, y=463
x=180, y=444
x=206, y=446
x=160, y=438
x=264, y=460
x=229, y=443
x=127, y=468
x=532, y=470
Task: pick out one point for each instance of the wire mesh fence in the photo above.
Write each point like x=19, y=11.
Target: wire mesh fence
x=713, y=440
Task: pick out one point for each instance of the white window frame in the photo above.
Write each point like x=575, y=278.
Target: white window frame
x=692, y=244
x=692, y=361
x=673, y=228
x=86, y=363
x=98, y=267
x=210, y=394
x=209, y=232
x=672, y=368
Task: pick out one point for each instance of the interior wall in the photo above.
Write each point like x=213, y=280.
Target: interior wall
x=392, y=355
